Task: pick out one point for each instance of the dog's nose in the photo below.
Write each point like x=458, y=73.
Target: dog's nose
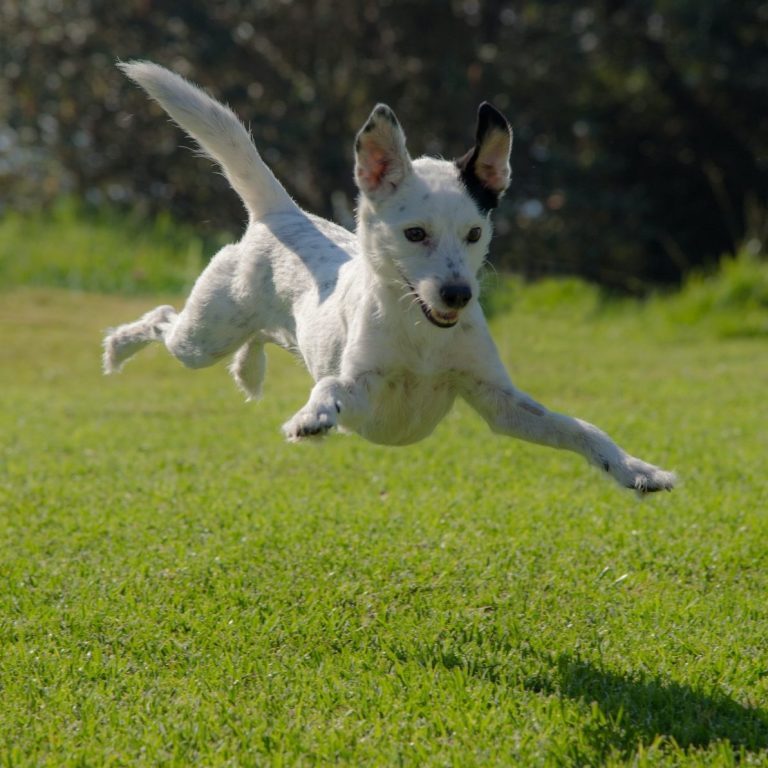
x=456, y=295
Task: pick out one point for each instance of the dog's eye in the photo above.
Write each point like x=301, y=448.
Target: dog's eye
x=415, y=234
x=474, y=234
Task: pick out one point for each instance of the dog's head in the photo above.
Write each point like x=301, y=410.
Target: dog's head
x=425, y=223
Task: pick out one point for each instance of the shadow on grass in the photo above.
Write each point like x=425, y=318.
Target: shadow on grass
x=627, y=710
x=636, y=709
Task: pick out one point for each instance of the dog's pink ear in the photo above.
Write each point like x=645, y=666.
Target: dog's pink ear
x=382, y=162
x=485, y=169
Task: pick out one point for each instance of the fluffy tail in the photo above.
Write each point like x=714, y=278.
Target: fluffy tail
x=218, y=132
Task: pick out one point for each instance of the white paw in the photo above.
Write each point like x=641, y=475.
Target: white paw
x=310, y=422
x=639, y=476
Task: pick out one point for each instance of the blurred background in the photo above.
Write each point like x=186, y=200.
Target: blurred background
x=641, y=127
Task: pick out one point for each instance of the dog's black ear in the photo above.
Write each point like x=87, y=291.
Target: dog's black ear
x=485, y=169
x=381, y=158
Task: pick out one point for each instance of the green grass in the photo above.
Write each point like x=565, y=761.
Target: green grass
x=101, y=250
x=178, y=586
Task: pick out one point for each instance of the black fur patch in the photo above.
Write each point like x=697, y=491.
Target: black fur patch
x=488, y=119
x=485, y=199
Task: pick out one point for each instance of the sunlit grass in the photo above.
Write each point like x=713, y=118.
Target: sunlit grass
x=178, y=586
x=100, y=251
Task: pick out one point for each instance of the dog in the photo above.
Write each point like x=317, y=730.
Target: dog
x=386, y=319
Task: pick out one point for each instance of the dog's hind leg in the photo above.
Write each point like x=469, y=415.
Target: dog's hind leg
x=248, y=368
x=125, y=341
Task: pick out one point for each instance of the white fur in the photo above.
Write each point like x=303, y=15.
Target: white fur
x=356, y=308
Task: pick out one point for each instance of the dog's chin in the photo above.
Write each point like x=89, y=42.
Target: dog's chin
x=438, y=318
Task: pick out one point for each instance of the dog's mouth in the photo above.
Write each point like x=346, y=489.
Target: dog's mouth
x=435, y=316
x=440, y=319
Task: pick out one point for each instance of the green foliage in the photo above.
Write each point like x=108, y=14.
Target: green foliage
x=640, y=127
x=178, y=586
x=732, y=301
x=109, y=252
x=564, y=294
x=100, y=251
x=571, y=297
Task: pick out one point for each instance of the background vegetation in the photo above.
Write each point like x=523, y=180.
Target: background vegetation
x=641, y=126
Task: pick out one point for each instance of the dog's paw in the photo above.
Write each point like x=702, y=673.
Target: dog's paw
x=309, y=423
x=639, y=476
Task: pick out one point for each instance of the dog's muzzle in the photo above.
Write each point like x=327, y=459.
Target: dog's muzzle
x=440, y=319
x=455, y=295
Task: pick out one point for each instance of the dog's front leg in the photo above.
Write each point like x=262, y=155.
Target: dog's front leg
x=333, y=401
x=511, y=412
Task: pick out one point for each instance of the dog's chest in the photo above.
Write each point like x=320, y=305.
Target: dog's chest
x=406, y=407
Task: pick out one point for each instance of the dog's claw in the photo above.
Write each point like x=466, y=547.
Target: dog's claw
x=308, y=424
x=648, y=478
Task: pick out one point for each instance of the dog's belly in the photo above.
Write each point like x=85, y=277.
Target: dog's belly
x=406, y=408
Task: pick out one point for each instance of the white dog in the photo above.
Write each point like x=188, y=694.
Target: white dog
x=387, y=319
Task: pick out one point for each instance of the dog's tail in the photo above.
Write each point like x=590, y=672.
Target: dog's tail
x=219, y=133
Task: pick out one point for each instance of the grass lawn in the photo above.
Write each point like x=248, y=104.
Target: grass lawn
x=178, y=586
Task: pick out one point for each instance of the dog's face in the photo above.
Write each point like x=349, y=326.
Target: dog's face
x=425, y=224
